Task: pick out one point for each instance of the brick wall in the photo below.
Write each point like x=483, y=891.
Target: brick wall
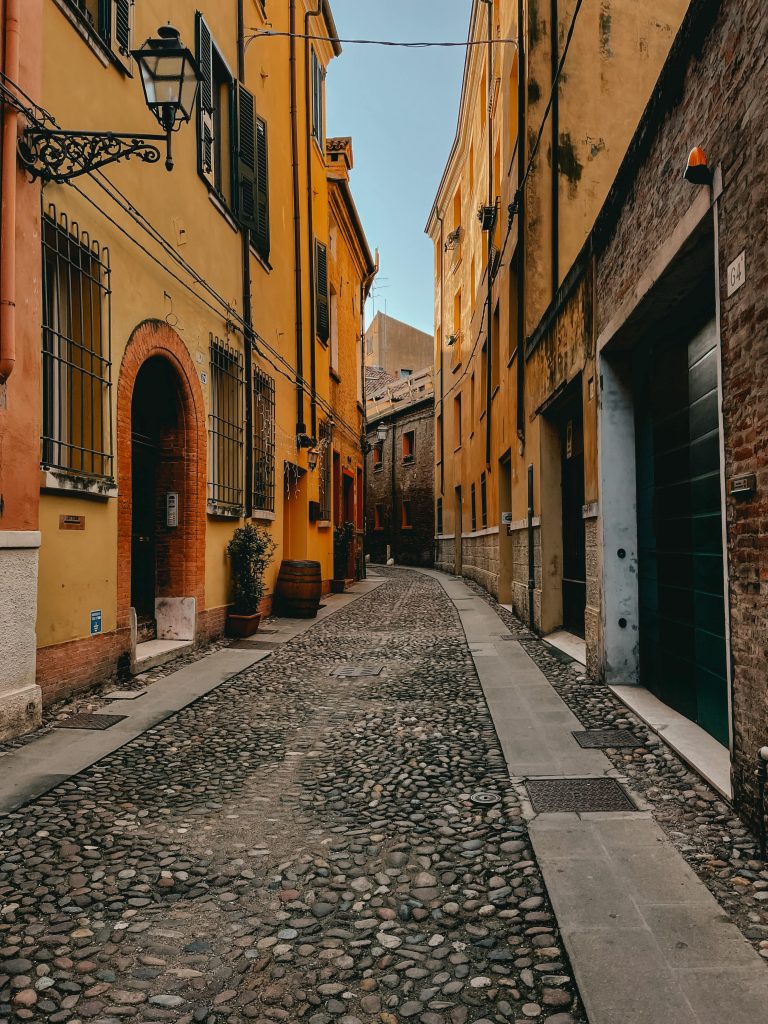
x=413, y=482
x=73, y=667
x=714, y=95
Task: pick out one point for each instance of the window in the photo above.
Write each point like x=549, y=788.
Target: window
x=334, y=330
x=405, y=374
x=111, y=21
x=233, y=144
x=495, y=348
x=378, y=461
x=440, y=438
x=326, y=470
x=322, y=318
x=409, y=445
x=359, y=499
x=484, y=378
x=472, y=410
x=456, y=351
x=407, y=520
x=263, y=441
x=318, y=106
x=483, y=501
x=226, y=431
x=378, y=517
x=76, y=357
x=457, y=422
x=474, y=508
x=439, y=511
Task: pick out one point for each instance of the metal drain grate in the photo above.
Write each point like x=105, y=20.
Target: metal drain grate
x=356, y=671
x=598, y=738
x=550, y=796
x=85, y=721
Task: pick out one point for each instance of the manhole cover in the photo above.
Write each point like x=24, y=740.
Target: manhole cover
x=591, y=738
x=356, y=671
x=85, y=721
x=550, y=796
x=485, y=798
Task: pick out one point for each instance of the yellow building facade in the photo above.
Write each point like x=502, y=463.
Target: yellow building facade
x=536, y=151
x=186, y=331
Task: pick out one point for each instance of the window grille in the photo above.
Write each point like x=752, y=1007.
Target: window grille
x=263, y=441
x=439, y=516
x=326, y=465
x=76, y=357
x=483, y=501
x=474, y=508
x=226, y=433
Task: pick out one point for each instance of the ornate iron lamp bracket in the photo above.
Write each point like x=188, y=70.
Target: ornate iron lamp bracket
x=60, y=156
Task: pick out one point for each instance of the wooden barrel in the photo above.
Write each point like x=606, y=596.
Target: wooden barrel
x=298, y=590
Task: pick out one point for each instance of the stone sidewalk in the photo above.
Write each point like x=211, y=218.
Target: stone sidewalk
x=329, y=835
x=647, y=940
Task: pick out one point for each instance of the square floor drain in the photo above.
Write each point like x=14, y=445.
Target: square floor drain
x=356, y=671
x=574, y=796
x=598, y=738
x=98, y=722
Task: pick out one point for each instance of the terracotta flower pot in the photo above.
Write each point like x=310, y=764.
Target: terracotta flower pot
x=242, y=625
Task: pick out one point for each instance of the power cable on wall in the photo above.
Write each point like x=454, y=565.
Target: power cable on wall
x=270, y=34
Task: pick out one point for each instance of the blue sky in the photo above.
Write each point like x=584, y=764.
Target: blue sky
x=400, y=107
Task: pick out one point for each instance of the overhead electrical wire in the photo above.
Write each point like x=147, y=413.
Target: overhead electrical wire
x=403, y=44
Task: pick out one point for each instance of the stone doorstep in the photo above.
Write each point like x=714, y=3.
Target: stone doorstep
x=152, y=653
x=697, y=748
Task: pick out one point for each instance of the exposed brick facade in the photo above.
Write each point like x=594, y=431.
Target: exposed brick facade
x=75, y=666
x=713, y=94
x=413, y=482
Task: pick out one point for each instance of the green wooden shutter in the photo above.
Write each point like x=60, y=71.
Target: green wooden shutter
x=205, y=126
x=245, y=159
x=120, y=24
x=321, y=287
x=262, y=189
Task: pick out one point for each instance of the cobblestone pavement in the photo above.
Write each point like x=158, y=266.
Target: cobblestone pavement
x=295, y=846
x=704, y=828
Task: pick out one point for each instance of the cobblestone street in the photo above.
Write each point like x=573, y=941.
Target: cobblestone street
x=295, y=846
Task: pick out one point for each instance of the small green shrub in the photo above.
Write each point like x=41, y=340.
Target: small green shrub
x=250, y=552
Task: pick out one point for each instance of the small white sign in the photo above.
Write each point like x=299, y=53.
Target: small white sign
x=506, y=518
x=737, y=273
x=203, y=377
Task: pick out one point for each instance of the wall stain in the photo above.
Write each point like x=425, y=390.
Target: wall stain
x=606, y=20
x=567, y=161
x=534, y=91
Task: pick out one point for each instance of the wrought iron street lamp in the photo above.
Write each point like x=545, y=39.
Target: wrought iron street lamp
x=313, y=457
x=381, y=433
x=170, y=77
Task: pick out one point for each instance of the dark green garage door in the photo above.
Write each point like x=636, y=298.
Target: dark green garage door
x=682, y=609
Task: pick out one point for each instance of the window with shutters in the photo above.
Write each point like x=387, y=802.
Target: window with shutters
x=110, y=21
x=334, y=329
x=260, y=234
x=263, y=441
x=318, y=106
x=219, y=106
x=322, y=317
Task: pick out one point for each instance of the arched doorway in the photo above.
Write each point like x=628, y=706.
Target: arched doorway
x=161, y=486
x=157, y=486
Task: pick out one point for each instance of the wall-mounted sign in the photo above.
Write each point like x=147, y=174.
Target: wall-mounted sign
x=743, y=486
x=96, y=622
x=203, y=377
x=737, y=273
x=172, y=509
x=71, y=522
x=506, y=518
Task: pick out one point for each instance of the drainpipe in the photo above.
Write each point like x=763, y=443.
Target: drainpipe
x=8, y=186
x=520, y=199
x=301, y=427
x=245, y=236
x=554, y=54
x=491, y=202
x=310, y=219
x=442, y=379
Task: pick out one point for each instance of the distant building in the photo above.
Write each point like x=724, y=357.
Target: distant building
x=400, y=468
x=396, y=347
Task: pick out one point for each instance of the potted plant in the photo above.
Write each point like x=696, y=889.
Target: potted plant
x=342, y=538
x=250, y=552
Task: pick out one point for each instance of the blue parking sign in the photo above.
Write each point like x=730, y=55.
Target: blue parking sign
x=95, y=622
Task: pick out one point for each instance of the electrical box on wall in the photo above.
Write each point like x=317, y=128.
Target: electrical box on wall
x=744, y=486
x=172, y=509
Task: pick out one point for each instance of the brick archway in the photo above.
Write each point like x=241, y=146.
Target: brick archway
x=154, y=338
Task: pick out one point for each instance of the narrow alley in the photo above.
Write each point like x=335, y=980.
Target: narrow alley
x=336, y=834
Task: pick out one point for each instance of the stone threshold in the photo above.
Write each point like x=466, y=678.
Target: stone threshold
x=153, y=653
x=710, y=759
x=574, y=646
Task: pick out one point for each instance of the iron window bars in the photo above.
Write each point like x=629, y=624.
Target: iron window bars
x=76, y=357
x=483, y=501
x=226, y=431
x=263, y=441
x=326, y=464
